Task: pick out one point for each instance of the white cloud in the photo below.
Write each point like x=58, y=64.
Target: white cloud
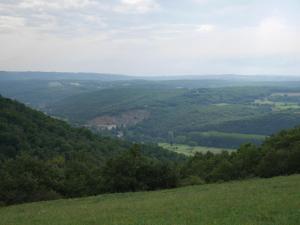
x=137, y=6
x=57, y=4
x=205, y=28
x=11, y=23
x=274, y=35
x=201, y=1
x=272, y=25
x=57, y=17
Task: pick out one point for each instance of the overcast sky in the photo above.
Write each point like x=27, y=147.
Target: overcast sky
x=151, y=37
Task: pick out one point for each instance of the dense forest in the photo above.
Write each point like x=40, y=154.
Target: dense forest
x=44, y=158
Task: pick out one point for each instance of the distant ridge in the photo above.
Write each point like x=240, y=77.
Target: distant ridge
x=226, y=77
x=39, y=75
x=36, y=75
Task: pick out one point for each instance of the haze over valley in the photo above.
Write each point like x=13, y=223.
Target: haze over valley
x=130, y=112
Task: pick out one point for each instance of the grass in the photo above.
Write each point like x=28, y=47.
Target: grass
x=232, y=135
x=278, y=106
x=273, y=201
x=191, y=150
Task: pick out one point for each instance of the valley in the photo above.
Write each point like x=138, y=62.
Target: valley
x=191, y=155
x=225, y=115
x=149, y=112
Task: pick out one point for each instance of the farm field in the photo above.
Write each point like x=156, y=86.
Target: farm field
x=255, y=202
x=191, y=150
x=278, y=106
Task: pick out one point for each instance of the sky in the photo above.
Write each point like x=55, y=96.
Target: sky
x=151, y=37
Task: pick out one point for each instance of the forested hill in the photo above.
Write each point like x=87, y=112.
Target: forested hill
x=24, y=130
x=45, y=158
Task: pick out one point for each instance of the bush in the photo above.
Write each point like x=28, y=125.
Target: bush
x=131, y=171
x=191, y=180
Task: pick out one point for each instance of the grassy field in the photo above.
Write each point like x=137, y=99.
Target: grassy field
x=273, y=201
x=278, y=106
x=191, y=150
x=232, y=135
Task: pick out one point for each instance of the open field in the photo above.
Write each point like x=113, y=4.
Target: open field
x=232, y=135
x=252, y=202
x=293, y=94
x=278, y=106
x=191, y=150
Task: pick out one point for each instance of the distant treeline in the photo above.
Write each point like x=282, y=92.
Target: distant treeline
x=43, y=158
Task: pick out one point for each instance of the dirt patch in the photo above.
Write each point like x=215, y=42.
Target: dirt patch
x=129, y=118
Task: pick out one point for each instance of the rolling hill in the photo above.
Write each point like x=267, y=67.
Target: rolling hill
x=255, y=202
x=213, y=117
x=199, y=111
x=45, y=158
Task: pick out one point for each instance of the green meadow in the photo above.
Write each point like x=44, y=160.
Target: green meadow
x=191, y=150
x=274, y=201
x=278, y=106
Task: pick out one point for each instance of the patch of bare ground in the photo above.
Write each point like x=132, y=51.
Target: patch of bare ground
x=125, y=119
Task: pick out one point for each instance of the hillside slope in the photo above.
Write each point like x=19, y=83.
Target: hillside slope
x=252, y=202
x=26, y=130
x=45, y=158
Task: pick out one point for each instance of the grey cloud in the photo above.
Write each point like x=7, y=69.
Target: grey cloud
x=58, y=16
